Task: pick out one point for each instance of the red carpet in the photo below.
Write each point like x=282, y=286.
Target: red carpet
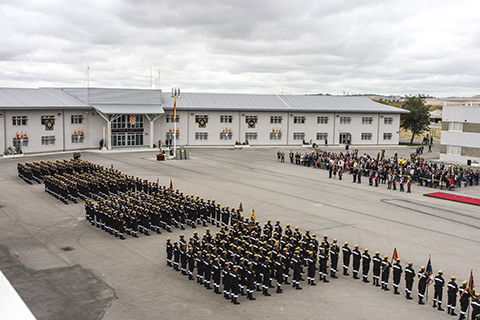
x=454, y=197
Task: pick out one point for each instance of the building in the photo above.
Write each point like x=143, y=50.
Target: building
x=57, y=119
x=460, y=140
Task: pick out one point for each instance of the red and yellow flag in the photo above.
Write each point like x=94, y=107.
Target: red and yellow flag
x=471, y=285
x=253, y=218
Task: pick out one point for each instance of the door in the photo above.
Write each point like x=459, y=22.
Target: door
x=345, y=138
x=131, y=139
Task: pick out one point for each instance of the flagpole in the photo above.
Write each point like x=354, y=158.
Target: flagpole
x=175, y=125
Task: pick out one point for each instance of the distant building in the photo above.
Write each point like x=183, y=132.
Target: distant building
x=460, y=140
x=58, y=119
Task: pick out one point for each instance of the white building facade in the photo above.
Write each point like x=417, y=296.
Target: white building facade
x=460, y=140
x=65, y=119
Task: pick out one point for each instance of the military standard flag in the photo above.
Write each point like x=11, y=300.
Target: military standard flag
x=471, y=285
x=253, y=218
x=429, y=271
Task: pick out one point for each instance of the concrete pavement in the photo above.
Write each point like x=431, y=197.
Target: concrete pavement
x=101, y=277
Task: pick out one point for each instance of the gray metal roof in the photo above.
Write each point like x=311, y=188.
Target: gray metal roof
x=21, y=98
x=129, y=108
x=97, y=96
x=257, y=102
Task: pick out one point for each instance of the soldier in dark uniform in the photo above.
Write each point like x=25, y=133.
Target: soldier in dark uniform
x=169, y=249
x=217, y=275
x=347, y=252
x=464, y=300
x=377, y=266
x=183, y=258
x=409, y=278
x=311, y=268
x=176, y=256
x=438, y=293
x=422, y=284
x=266, y=270
x=200, y=266
x=226, y=280
x=476, y=307
x=365, y=265
x=397, y=275
x=357, y=256
x=334, y=250
x=207, y=271
x=191, y=262
x=323, y=262
x=386, y=265
x=452, y=290
x=235, y=278
x=279, y=269
x=297, y=270
x=250, y=280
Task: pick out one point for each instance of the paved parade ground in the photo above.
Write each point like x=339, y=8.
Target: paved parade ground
x=63, y=268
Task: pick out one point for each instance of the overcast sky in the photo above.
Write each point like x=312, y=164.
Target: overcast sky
x=244, y=46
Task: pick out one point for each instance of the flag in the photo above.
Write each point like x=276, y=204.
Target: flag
x=74, y=132
x=175, y=107
x=230, y=130
x=178, y=130
x=81, y=132
x=133, y=120
x=171, y=184
x=429, y=271
x=18, y=135
x=240, y=207
x=395, y=254
x=279, y=130
x=21, y=134
x=25, y=135
x=253, y=218
x=471, y=285
x=273, y=130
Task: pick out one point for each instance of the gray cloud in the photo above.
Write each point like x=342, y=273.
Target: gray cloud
x=249, y=46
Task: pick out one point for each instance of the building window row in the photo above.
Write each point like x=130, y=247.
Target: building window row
x=345, y=120
x=388, y=120
x=169, y=118
x=77, y=139
x=387, y=136
x=455, y=126
x=322, y=136
x=48, y=140
x=299, y=119
x=77, y=119
x=322, y=120
x=201, y=135
x=226, y=119
x=454, y=150
x=19, y=120
x=20, y=142
x=276, y=119
x=367, y=120
x=366, y=136
x=298, y=135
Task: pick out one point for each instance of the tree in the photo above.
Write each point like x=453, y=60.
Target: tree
x=418, y=120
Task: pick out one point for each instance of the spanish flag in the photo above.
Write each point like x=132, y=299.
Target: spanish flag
x=253, y=218
x=18, y=135
x=81, y=132
x=471, y=285
x=25, y=135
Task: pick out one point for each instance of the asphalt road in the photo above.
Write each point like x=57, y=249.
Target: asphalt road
x=64, y=268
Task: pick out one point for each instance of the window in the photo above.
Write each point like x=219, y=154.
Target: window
x=200, y=117
x=19, y=120
x=366, y=136
x=226, y=119
x=248, y=118
x=45, y=118
x=322, y=135
x=77, y=139
x=169, y=118
x=201, y=135
x=77, y=119
x=388, y=120
x=322, y=120
x=48, y=140
x=455, y=126
x=275, y=119
x=251, y=136
x=20, y=142
x=298, y=135
x=367, y=120
x=126, y=121
x=275, y=136
x=169, y=135
x=454, y=150
x=387, y=136
x=226, y=136
x=345, y=120
x=299, y=119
